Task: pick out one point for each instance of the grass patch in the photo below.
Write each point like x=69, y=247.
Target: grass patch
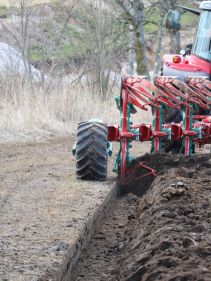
x=4, y=12
x=23, y=110
x=150, y=28
x=34, y=53
x=153, y=17
x=74, y=31
x=68, y=51
x=72, y=43
x=189, y=19
x=65, y=51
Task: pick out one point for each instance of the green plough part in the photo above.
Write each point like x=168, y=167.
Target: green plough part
x=130, y=110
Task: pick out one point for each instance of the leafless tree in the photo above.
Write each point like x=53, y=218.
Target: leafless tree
x=157, y=64
x=26, y=21
x=134, y=13
x=103, y=32
x=18, y=32
x=162, y=8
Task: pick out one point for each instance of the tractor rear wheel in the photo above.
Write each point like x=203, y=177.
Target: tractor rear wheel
x=91, y=151
x=173, y=116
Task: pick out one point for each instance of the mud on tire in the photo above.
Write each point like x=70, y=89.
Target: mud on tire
x=91, y=151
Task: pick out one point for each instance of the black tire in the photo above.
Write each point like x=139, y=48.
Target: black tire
x=91, y=151
x=171, y=116
x=174, y=115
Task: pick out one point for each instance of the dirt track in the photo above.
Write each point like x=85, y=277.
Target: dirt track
x=43, y=208
x=164, y=235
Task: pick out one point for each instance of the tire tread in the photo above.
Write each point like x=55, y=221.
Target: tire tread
x=91, y=151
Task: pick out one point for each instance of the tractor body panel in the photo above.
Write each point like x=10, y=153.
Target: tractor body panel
x=205, y=5
x=188, y=66
x=198, y=63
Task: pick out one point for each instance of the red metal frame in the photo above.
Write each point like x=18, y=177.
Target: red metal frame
x=113, y=133
x=189, y=63
x=166, y=91
x=131, y=173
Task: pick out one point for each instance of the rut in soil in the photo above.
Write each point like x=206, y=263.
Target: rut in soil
x=162, y=232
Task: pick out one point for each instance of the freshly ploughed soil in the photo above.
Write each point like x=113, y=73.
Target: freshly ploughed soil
x=161, y=233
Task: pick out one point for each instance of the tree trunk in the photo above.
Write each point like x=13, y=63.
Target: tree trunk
x=175, y=46
x=141, y=60
x=175, y=42
x=159, y=45
x=132, y=53
x=134, y=11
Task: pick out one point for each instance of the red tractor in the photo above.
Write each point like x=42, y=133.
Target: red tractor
x=193, y=61
x=196, y=59
x=184, y=88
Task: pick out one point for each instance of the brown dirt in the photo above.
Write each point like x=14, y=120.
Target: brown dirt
x=163, y=235
x=43, y=208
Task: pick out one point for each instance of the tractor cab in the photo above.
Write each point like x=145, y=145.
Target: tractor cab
x=202, y=45
x=196, y=61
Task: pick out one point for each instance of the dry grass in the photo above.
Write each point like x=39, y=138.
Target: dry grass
x=28, y=112
x=31, y=112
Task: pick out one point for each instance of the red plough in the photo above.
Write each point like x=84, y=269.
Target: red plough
x=166, y=94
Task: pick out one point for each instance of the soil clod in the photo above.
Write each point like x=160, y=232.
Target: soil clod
x=164, y=234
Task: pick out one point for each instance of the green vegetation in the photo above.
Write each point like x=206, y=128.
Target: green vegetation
x=69, y=40
x=152, y=18
x=187, y=19
x=150, y=28
x=35, y=53
x=73, y=39
x=3, y=12
x=57, y=2
x=74, y=31
x=67, y=51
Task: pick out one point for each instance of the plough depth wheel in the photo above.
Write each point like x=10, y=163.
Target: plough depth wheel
x=91, y=151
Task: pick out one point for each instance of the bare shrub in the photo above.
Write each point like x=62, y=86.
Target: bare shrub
x=32, y=115
x=57, y=113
